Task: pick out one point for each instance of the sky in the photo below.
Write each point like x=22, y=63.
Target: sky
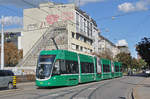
x=123, y=22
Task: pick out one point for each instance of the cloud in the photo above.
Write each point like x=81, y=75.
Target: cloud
x=83, y=2
x=122, y=43
x=12, y=20
x=137, y=6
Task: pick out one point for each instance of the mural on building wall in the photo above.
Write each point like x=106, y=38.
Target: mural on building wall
x=51, y=19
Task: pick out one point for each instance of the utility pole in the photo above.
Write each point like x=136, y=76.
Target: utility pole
x=2, y=44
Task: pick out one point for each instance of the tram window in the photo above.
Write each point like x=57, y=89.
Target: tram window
x=106, y=68
x=91, y=65
x=56, y=69
x=63, y=69
x=116, y=68
x=72, y=67
x=87, y=67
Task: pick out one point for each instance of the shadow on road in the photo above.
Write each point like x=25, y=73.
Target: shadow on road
x=51, y=87
x=136, y=75
x=122, y=98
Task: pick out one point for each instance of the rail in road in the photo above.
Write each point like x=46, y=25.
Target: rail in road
x=93, y=90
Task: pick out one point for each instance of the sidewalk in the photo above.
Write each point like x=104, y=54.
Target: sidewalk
x=142, y=90
x=25, y=85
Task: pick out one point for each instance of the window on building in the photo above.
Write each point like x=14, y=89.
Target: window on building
x=91, y=51
x=85, y=40
x=77, y=22
x=84, y=25
x=81, y=38
x=85, y=49
x=77, y=28
x=88, y=28
x=77, y=47
x=77, y=18
x=73, y=46
x=77, y=36
x=81, y=48
x=81, y=24
x=91, y=29
x=73, y=34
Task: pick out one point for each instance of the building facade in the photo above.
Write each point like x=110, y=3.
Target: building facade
x=104, y=44
x=81, y=29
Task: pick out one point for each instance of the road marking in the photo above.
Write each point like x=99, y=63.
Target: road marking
x=10, y=90
x=54, y=95
x=92, y=88
x=80, y=98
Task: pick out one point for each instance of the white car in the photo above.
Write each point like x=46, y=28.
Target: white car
x=147, y=72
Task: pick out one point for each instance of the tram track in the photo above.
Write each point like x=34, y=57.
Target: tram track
x=92, y=93
x=62, y=93
x=75, y=96
x=76, y=91
x=72, y=92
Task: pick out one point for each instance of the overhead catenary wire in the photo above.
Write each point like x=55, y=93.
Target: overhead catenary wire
x=99, y=19
x=118, y=15
x=17, y=13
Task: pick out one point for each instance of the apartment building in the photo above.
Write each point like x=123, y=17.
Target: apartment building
x=76, y=31
x=104, y=44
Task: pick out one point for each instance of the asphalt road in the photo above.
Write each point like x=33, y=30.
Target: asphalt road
x=119, y=88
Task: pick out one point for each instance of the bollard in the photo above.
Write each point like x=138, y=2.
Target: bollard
x=14, y=82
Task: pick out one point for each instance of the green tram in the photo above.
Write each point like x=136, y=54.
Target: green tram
x=66, y=68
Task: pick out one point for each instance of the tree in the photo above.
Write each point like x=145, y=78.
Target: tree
x=143, y=49
x=142, y=64
x=12, y=55
x=126, y=60
x=107, y=54
x=134, y=63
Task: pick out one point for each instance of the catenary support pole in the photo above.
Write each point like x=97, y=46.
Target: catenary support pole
x=2, y=43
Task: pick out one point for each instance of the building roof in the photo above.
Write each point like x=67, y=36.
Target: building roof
x=100, y=36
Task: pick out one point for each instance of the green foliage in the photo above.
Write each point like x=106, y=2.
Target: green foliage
x=12, y=55
x=129, y=62
x=134, y=63
x=126, y=60
x=142, y=63
x=143, y=49
x=107, y=54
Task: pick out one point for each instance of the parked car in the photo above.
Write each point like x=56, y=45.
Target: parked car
x=7, y=79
